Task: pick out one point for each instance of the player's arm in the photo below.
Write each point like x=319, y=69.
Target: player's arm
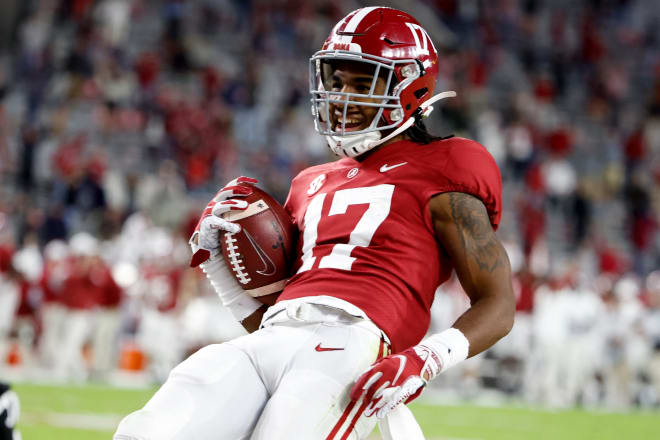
x=464, y=232
x=229, y=290
x=205, y=245
x=252, y=322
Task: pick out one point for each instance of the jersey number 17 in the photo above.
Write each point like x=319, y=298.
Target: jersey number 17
x=379, y=199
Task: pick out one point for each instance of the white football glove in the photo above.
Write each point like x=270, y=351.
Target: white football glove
x=205, y=241
x=205, y=244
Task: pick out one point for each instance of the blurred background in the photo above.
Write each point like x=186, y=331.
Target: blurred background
x=119, y=120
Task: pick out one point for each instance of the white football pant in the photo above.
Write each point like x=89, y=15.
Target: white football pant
x=53, y=316
x=288, y=380
x=78, y=326
x=104, y=339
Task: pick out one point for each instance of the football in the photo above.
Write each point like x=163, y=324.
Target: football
x=261, y=254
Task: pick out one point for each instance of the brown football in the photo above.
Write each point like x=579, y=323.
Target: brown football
x=261, y=254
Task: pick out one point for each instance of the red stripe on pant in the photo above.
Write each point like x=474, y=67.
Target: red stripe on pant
x=341, y=420
x=383, y=350
x=355, y=419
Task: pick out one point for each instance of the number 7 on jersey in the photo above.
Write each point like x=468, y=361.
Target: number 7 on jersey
x=379, y=199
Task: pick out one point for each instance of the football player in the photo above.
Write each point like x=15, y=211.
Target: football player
x=9, y=411
x=380, y=229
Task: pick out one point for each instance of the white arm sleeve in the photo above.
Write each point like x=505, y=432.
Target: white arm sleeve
x=229, y=291
x=450, y=346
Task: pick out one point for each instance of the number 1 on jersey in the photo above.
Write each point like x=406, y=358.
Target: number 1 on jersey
x=379, y=199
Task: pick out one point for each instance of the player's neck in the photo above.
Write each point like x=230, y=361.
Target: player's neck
x=398, y=138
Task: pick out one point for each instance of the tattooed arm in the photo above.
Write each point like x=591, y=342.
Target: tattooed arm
x=465, y=234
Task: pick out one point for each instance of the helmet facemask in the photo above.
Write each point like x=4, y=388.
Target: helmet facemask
x=397, y=75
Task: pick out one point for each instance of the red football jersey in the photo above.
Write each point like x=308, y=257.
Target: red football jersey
x=366, y=235
x=161, y=287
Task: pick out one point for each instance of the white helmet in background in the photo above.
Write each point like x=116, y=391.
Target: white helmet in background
x=83, y=244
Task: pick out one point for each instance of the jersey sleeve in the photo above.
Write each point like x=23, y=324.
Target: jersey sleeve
x=292, y=202
x=293, y=197
x=289, y=202
x=469, y=168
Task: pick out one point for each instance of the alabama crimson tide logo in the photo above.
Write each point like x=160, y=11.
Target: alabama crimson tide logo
x=316, y=184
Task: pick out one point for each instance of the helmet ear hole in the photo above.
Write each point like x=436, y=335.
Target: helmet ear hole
x=421, y=92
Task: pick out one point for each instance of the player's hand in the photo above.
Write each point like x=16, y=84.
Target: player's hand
x=205, y=241
x=396, y=379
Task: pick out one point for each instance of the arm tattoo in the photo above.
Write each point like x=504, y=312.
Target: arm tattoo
x=476, y=233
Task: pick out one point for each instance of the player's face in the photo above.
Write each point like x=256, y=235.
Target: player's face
x=351, y=77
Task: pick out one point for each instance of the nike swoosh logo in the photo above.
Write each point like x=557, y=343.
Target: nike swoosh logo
x=319, y=348
x=386, y=167
x=269, y=266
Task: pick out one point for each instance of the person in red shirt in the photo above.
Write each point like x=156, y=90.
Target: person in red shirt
x=107, y=320
x=52, y=312
x=159, y=330
x=10, y=295
x=9, y=292
x=380, y=229
x=82, y=292
x=26, y=269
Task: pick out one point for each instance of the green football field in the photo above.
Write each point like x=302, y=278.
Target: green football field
x=91, y=413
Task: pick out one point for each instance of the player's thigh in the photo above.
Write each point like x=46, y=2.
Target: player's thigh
x=312, y=399
x=214, y=394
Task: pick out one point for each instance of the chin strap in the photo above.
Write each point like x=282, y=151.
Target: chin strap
x=351, y=146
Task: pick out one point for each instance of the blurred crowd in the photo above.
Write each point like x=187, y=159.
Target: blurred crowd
x=593, y=343
x=120, y=118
